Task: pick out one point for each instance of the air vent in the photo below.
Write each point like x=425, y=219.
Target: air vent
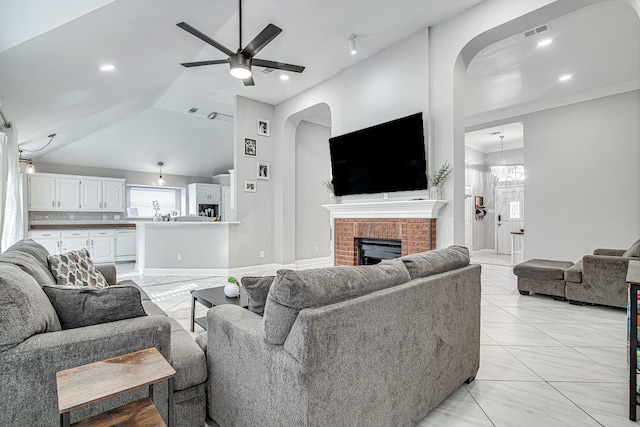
x=267, y=71
x=193, y=110
x=537, y=30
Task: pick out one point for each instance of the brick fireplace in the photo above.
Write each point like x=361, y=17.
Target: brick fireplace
x=415, y=235
x=412, y=222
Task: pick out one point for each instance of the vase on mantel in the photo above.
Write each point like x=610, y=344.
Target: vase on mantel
x=435, y=192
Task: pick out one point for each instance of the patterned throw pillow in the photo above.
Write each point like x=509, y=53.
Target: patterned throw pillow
x=75, y=268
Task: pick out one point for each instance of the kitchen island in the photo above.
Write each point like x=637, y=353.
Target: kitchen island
x=183, y=247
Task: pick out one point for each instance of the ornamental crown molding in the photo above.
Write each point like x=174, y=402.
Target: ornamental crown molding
x=387, y=209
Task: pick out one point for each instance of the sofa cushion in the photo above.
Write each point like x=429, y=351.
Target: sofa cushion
x=32, y=248
x=30, y=264
x=574, y=273
x=633, y=251
x=543, y=269
x=437, y=261
x=257, y=289
x=78, y=307
x=187, y=358
x=76, y=268
x=293, y=291
x=25, y=308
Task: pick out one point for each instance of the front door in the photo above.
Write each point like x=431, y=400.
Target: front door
x=509, y=215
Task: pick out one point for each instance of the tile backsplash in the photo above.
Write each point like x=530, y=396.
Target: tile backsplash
x=74, y=216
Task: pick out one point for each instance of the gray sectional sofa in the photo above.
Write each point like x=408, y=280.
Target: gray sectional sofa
x=34, y=346
x=348, y=346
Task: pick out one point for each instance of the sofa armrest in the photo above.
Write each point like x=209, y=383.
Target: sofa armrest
x=109, y=272
x=608, y=252
x=29, y=369
x=247, y=374
x=573, y=274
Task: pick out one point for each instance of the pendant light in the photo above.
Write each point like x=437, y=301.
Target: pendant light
x=30, y=169
x=506, y=172
x=160, y=180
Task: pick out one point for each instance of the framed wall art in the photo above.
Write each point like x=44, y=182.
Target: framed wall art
x=250, y=147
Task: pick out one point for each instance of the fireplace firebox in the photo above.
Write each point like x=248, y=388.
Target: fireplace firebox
x=372, y=251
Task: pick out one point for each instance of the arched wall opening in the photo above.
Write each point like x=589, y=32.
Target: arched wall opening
x=452, y=46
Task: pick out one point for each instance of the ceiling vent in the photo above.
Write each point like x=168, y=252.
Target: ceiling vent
x=537, y=30
x=267, y=71
x=192, y=110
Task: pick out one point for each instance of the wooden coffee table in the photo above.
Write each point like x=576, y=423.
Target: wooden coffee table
x=212, y=297
x=83, y=385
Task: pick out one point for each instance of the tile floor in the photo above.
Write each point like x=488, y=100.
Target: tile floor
x=543, y=362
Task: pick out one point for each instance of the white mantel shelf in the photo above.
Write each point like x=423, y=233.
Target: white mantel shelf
x=387, y=209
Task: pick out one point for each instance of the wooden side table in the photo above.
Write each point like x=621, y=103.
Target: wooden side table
x=83, y=385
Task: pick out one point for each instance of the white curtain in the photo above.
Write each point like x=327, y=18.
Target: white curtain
x=11, y=208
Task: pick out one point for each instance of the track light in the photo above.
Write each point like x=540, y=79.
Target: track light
x=353, y=49
x=30, y=169
x=160, y=181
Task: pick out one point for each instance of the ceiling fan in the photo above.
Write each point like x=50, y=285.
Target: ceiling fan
x=242, y=60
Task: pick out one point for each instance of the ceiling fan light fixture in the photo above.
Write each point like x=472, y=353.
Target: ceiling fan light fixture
x=240, y=66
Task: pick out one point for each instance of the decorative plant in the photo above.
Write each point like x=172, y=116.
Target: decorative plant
x=232, y=279
x=328, y=185
x=441, y=174
x=156, y=207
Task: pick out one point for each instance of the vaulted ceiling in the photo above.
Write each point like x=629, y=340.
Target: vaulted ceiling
x=138, y=114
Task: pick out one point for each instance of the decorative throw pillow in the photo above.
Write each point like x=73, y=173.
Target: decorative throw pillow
x=75, y=268
x=633, y=251
x=86, y=306
x=257, y=290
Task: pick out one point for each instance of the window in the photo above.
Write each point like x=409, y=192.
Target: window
x=514, y=210
x=142, y=198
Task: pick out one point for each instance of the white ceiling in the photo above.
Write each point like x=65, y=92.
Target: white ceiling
x=135, y=116
x=488, y=140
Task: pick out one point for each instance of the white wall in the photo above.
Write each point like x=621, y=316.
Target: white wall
x=582, y=186
x=313, y=165
x=255, y=211
x=371, y=92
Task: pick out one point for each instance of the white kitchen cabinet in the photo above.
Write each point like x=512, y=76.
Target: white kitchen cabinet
x=67, y=194
x=49, y=239
x=42, y=193
x=91, y=194
x=102, y=245
x=203, y=194
x=113, y=195
x=102, y=195
x=74, y=240
x=51, y=192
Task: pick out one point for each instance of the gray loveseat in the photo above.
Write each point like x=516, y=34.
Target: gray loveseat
x=27, y=378
x=348, y=346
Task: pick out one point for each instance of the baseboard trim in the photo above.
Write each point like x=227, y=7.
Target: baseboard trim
x=256, y=270
x=304, y=264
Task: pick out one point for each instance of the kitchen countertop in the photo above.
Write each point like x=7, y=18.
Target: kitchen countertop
x=79, y=225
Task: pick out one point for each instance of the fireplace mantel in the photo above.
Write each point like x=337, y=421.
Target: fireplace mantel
x=387, y=209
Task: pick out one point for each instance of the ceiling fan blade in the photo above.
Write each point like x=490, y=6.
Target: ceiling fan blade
x=249, y=82
x=261, y=40
x=277, y=65
x=199, y=63
x=205, y=38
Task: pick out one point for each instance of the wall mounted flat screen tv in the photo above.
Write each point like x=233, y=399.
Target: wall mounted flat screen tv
x=380, y=159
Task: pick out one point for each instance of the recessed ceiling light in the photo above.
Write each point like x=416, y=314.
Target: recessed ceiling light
x=108, y=67
x=565, y=78
x=284, y=77
x=545, y=42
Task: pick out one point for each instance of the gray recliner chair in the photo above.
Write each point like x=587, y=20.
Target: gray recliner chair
x=601, y=278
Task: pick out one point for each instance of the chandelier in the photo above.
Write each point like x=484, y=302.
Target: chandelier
x=507, y=172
